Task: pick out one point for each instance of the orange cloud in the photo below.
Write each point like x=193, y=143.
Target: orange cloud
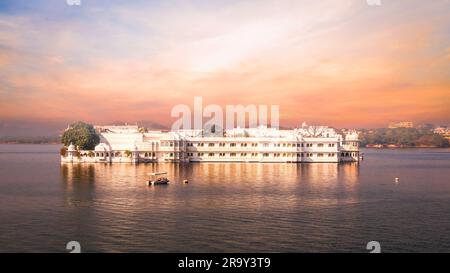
x=323, y=63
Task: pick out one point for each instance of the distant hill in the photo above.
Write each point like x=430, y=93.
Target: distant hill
x=142, y=123
x=152, y=125
x=20, y=128
x=30, y=139
x=40, y=132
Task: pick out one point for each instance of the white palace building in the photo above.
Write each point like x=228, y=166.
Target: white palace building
x=131, y=144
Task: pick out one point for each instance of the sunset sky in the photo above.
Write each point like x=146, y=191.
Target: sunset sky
x=341, y=63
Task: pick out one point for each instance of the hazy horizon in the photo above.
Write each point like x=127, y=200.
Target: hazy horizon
x=52, y=129
x=344, y=64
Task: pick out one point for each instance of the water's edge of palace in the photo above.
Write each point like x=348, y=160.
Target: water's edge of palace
x=129, y=144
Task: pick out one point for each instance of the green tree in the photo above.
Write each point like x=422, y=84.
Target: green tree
x=82, y=135
x=403, y=137
x=128, y=153
x=142, y=130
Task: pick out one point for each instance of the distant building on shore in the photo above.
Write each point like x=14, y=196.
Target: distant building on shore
x=443, y=131
x=401, y=124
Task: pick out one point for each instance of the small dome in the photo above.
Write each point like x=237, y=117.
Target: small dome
x=102, y=147
x=71, y=148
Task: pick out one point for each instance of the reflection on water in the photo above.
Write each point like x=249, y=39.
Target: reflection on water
x=227, y=207
x=86, y=184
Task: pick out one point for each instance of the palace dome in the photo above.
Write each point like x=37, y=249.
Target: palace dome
x=71, y=148
x=102, y=147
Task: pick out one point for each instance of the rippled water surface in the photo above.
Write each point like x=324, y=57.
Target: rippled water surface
x=231, y=207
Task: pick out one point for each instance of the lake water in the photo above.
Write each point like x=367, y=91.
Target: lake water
x=231, y=207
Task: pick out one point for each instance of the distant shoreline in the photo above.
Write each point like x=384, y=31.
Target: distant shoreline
x=30, y=140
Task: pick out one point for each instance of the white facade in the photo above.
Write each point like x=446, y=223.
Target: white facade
x=305, y=144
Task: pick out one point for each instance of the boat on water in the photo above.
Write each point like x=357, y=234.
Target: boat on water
x=158, y=178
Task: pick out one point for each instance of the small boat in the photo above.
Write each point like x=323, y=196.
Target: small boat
x=185, y=181
x=158, y=178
